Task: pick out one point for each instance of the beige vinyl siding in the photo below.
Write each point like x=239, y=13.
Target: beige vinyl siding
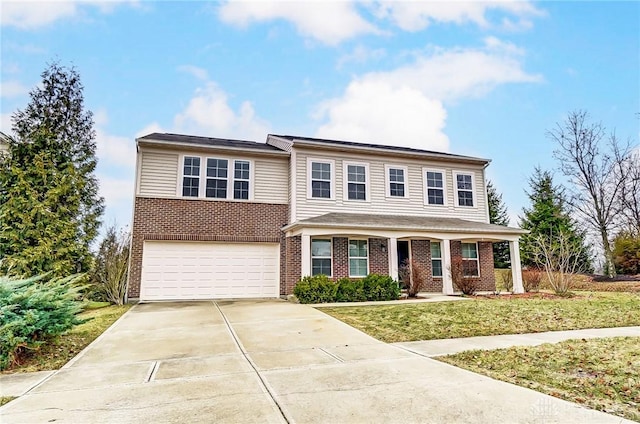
x=160, y=174
x=378, y=203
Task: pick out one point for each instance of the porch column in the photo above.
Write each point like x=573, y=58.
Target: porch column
x=305, y=251
x=516, y=267
x=447, y=282
x=393, y=258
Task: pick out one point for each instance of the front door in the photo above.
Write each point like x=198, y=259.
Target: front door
x=403, y=252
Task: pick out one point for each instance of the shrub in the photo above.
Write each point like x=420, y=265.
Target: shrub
x=505, y=279
x=350, y=290
x=33, y=311
x=109, y=276
x=626, y=254
x=316, y=289
x=466, y=285
x=380, y=287
x=414, y=276
x=531, y=279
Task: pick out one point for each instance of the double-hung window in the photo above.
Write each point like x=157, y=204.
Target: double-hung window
x=191, y=176
x=470, y=263
x=434, y=181
x=321, y=180
x=241, y=173
x=217, y=174
x=321, y=257
x=464, y=188
x=358, y=258
x=356, y=178
x=396, y=181
x=436, y=259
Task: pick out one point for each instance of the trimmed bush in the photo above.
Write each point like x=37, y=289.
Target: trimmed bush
x=350, y=291
x=531, y=279
x=316, y=289
x=380, y=287
x=32, y=312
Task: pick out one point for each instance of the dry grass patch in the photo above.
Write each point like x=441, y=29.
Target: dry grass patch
x=603, y=374
x=486, y=316
x=6, y=399
x=58, y=351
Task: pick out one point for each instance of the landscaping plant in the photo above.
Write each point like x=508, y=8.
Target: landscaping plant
x=109, y=276
x=316, y=289
x=350, y=290
x=468, y=286
x=531, y=279
x=31, y=312
x=320, y=289
x=560, y=258
x=414, y=276
x=381, y=287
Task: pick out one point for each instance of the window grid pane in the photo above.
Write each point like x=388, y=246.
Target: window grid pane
x=358, y=267
x=434, y=179
x=216, y=188
x=321, y=180
x=465, y=198
x=356, y=173
x=321, y=257
x=396, y=189
x=321, y=189
x=396, y=175
x=241, y=190
x=436, y=267
x=190, y=186
x=435, y=196
x=217, y=168
x=241, y=170
x=356, y=191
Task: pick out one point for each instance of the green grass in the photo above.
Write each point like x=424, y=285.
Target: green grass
x=58, y=351
x=6, y=399
x=603, y=374
x=483, y=317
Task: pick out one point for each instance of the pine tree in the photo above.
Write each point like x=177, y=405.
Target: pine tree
x=49, y=204
x=498, y=215
x=547, y=216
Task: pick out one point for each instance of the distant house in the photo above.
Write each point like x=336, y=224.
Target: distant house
x=219, y=218
x=4, y=145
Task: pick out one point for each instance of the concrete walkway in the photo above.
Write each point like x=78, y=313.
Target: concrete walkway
x=269, y=361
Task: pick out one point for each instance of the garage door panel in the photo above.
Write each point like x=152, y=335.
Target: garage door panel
x=194, y=270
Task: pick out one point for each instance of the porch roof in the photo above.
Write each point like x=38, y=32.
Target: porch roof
x=401, y=222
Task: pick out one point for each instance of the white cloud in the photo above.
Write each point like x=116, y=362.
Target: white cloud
x=405, y=106
x=209, y=113
x=361, y=54
x=329, y=22
x=5, y=123
x=195, y=71
x=378, y=112
x=118, y=196
x=10, y=89
x=34, y=14
x=418, y=15
x=115, y=150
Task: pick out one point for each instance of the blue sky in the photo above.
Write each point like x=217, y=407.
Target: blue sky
x=483, y=79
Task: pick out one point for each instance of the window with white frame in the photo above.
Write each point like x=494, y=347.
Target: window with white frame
x=397, y=179
x=436, y=259
x=435, y=187
x=321, y=257
x=321, y=180
x=191, y=176
x=470, y=262
x=464, y=188
x=217, y=174
x=241, y=175
x=358, y=258
x=356, y=176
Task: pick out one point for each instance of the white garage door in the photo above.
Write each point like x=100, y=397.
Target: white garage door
x=194, y=270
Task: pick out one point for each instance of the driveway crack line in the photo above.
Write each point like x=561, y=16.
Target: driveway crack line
x=152, y=371
x=336, y=357
x=264, y=382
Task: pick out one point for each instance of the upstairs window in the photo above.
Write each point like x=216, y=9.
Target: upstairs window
x=396, y=182
x=358, y=258
x=464, y=188
x=321, y=257
x=435, y=187
x=470, y=263
x=217, y=171
x=191, y=176
x=356, y=176
x=321, y=180
x=436, y=259
x=241, y=179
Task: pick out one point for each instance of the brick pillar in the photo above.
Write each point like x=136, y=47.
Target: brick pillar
x=293, y=260
x=378, y=259
x=487, y=276
x=340, y=257
x=421, y=254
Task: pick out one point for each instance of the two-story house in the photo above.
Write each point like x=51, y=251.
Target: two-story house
x=218, y=218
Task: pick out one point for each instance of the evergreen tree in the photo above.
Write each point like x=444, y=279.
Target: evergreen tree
x=49, y=204
x=498, y=215
x=548, y=216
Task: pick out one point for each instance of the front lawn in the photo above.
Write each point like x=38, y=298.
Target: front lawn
x=483, y=317
x=603, y=374
x=57, y=352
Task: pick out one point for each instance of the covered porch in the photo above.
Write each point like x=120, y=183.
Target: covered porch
x=352, y=245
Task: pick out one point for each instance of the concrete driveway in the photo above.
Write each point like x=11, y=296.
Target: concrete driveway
x=268, y=361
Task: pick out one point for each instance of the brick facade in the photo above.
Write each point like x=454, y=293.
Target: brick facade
x=487, y=279
x=340, y=257
x=293, y=261
x=201, y=220
x=378, y=256
x=421, y=253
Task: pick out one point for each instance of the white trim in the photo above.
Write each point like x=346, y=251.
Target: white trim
x=393, y=257
x=516, y=267
x=365, y=239
x=387, y=181
x=332, y=184
x=456, y=203
x=202, y=178
x=447, y=281
x=345, y=182
x=251, y=179
x=311, y=257
x=426, y=187
x=305, y=251
x=477, y=258
x=182, y=176
x=293, y=189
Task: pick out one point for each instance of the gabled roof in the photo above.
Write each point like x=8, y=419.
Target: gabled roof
x=348, y=145
x=207, y=142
